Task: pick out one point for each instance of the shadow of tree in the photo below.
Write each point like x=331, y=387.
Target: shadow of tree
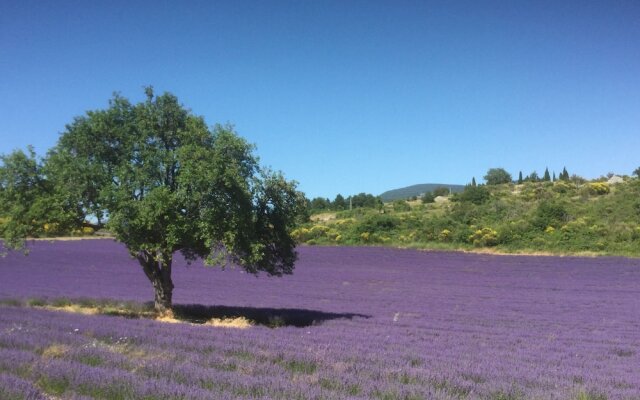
x=191, y=313
x=271, y=317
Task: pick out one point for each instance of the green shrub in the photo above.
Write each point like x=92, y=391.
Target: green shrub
x=513, y=232
x=401, y=205
x=378, y=223
x=474, y=194
x=550, y=214
x=466, y=213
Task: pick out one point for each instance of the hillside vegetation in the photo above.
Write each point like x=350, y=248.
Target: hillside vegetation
x=418, y=190
x=563, y=217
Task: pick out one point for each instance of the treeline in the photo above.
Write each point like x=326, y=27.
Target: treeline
x=340, y=203
x=497, y=176
x=546, y=177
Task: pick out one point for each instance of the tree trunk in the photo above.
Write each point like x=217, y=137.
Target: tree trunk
x=157, y=267
x=163, y=293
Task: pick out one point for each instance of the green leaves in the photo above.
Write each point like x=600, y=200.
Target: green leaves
x=162, y=181
x=497, y=176
x=29, y=205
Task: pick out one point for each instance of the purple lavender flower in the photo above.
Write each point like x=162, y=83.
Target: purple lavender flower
x=354, y=323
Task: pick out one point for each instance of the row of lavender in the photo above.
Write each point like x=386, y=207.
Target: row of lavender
x=416, y=325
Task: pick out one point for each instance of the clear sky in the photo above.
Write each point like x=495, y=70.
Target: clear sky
x=346, y=96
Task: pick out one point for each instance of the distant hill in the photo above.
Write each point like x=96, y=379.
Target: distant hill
x=417, y=190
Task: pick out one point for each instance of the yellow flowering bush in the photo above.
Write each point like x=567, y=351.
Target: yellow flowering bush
x=598, y=188
x=484, y=237
x=561, y=187
x=445, y=235
x=303, y=235
x=346, y=221
x=300, y=234
x=48, y=228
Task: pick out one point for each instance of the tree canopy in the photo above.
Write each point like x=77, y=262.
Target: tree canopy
x=497, y=176
x=162, y=181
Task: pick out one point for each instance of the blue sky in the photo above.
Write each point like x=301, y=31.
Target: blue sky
x=346, y=96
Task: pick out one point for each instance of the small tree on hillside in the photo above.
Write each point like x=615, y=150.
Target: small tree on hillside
x=520, y=178
x=636, y=172
x=473, y=182
x=497, y=176
x=168, y=183
x=441, y=191
x=428, y=198
x=546, y=177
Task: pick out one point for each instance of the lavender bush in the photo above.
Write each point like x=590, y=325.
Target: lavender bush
x=380, y=323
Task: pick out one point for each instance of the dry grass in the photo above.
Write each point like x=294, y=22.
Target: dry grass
x=323, y=217
x=167, y=317
x=530, y=253
x=70, y=238
x=55, y=351
x=239, y=323
x=74, y=308
x=500, y=252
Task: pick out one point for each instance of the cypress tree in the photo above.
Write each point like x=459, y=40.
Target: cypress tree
x=520, y=178
x=546, y=176
x=553, y=178
x=473, y=181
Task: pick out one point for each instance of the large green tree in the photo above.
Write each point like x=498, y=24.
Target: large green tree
x=497, y=176
x=162, y=182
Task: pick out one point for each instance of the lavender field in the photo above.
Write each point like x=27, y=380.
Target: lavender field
x=355, y=323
